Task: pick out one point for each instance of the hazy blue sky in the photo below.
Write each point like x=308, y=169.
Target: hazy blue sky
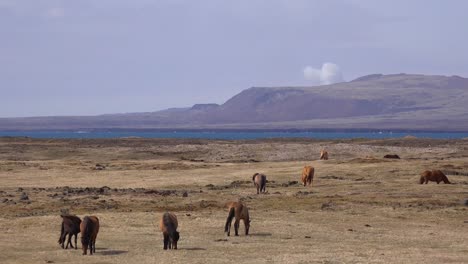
x=89, y=57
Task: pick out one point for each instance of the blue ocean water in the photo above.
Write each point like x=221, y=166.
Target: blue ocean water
x=231, y=135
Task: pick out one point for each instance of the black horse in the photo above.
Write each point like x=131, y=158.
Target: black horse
x=70, y=227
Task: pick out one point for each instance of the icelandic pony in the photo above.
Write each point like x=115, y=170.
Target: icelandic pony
x=70, y=227
x=323, y=154
x=435, y=175
x=168, y=226
x=307, y=175
x=239, y=211
x=259, y=181
x=89, y=229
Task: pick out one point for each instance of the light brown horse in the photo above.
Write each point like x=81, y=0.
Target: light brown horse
x=434, y=175
x=70, y=227
x=323, y=154
x=259, y=181
x=168, y=226
x=239, y=211
x=89, y=229
x=307, y=175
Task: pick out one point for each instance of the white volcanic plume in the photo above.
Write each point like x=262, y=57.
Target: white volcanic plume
x=328, y=74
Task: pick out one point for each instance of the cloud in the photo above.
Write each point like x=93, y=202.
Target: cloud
x=328, y=74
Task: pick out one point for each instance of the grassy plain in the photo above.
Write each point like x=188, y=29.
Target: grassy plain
x=361, y=208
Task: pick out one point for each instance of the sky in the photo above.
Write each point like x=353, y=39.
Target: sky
x=88, y=57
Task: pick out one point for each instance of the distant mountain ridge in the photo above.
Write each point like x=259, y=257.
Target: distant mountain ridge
x=396, y=101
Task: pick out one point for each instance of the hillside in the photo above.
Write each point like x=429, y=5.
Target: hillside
x=398, y=101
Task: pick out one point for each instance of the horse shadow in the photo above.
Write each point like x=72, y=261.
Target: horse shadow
x=193, y=248
x=261, y=234
x=112, y=252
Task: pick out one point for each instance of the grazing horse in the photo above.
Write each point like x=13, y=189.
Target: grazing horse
x=259, y=181
x=168, y=226
x=391, y=156
x=70, y=227
x=239, y=211
x=435, y=175
x=323, y=154
x=89, y=230
x=307, y=175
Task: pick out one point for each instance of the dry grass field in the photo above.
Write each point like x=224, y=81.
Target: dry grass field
x=361, y=207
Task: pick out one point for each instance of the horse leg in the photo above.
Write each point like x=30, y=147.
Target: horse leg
x=236, y=226
x=91, y=245
x=69, y=240
x=76, y=241
x=166, y=240
x=62, y=239
x=93, y=241
x=85, y=248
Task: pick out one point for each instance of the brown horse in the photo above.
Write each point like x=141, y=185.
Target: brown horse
x=323, y=154
x=307, y=175
x=168, y=226
x=259, y=181
x=89, y=229
x=435, y=175
x=239, y=211
x=70, y=227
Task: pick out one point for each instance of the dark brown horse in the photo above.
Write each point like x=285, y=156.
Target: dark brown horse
x=89, y=229
x=168, y=226
x=239, y=211
x=435, y=175
x=70, y=227
x=391, y=156
x=259, y=181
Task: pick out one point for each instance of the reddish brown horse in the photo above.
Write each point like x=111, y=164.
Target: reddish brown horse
x=89, y=229
x=435, y=175
x=259, y=181
x=70, y=227
x=240, y=212
x=307, y=175
x=168, y=226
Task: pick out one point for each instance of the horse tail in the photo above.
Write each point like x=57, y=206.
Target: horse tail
x=229, y=218
x=86, y=234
